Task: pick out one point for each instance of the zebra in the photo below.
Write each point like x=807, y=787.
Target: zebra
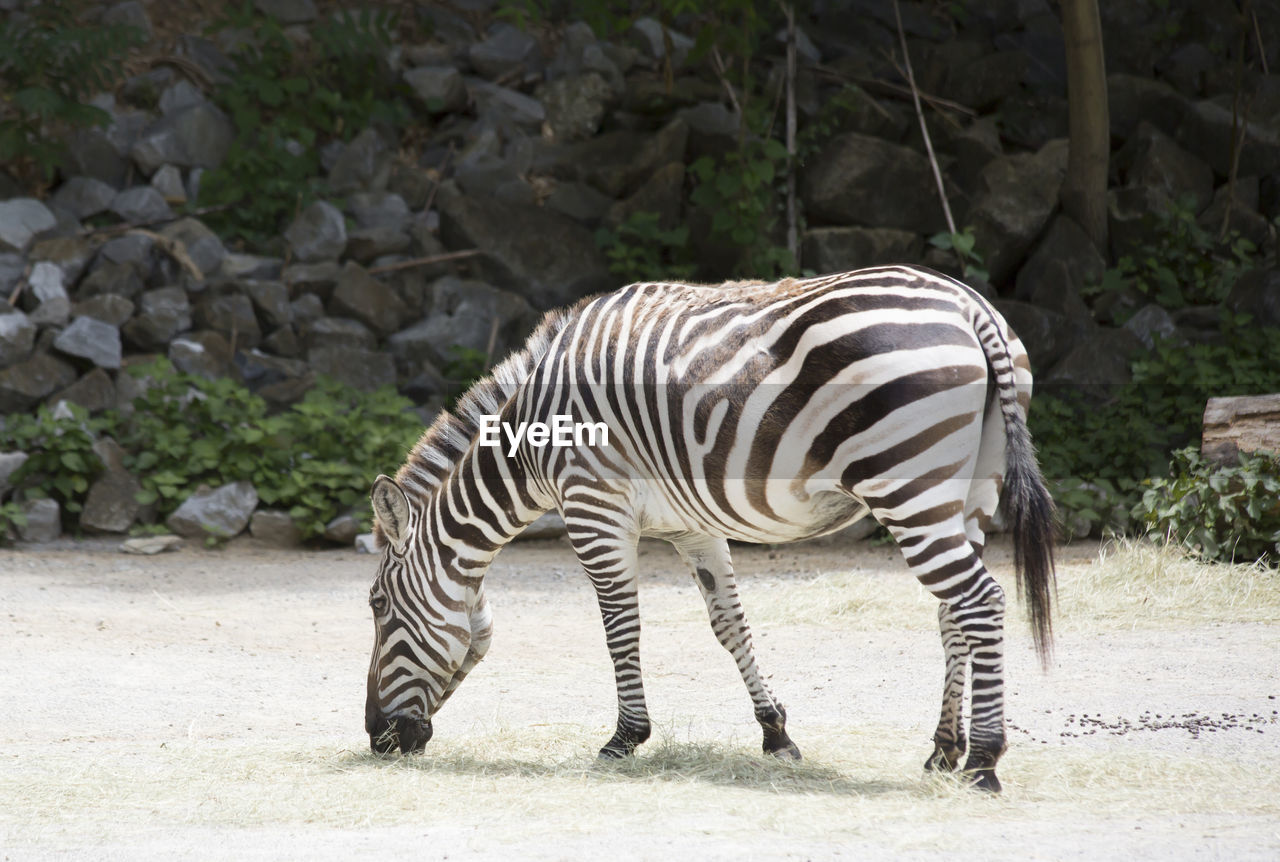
x=748, y=411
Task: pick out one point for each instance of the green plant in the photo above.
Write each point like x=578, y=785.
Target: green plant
x=61, y=461
x=639, y=249
x=285, y=103
x=50, y=64
x=1184, y=264
x=963, y=244
x=737, y=190
x=11, y=516
x=1224, y=513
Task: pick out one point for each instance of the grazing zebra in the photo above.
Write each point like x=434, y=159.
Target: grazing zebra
x=746, y=411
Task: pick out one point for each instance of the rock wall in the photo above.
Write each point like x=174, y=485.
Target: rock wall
x=526, y=143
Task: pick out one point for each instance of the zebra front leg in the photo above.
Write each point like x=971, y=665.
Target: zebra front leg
x=982, y=623
x=609, y=560
x=713, y=570
x=948, y=739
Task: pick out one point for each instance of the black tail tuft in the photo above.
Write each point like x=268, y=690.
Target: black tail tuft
x=1030, y=511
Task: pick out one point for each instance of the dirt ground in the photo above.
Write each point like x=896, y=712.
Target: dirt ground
x=209, y=704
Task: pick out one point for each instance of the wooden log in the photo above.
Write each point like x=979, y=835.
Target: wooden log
x=1244, y=423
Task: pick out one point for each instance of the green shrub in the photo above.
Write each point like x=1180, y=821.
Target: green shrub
x=640, y=250
x=1225, y=513
x=61, y=462
x=50, y=65
x=737, y=190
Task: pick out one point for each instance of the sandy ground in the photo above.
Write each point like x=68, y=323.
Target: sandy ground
x=209, y=704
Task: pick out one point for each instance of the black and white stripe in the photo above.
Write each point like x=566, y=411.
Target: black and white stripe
x=747, y=411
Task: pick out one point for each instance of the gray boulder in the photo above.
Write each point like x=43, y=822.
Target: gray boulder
x=504, y=50
x=579, y=201
x=117, y=279
x=1152, y=321
x=661, y=195
x=288, y=11
x=860, y=180
x=368, y=300
x=1097, y=363
x=343, y=529
x=834, y=249
x=439, y=89
x=229, y=313
x=318, y=233
x=1257, y=293
x=362, y=369
x=201, y=244
x=54, y=312
x=275, y=528
x=1063, y=263
x=162, y=314
x=83, y=196
x=547, y=258
x=222, y=512
x=1152, y=159
x=196, y=137
x=20, y=220
x=463, y=315
x=203, y=353
x=112, y=309
x=141, y=205
x=111, y=505
x=9, y=464
x=17, y=338
x=71, y=254
x=378, y=209
x=44, y=521
x=1047, y=335
x=168, y=182
x=618, y=162
x=1133, y=99
x=505, y=106
x=28, y=382
x=366, y=244
x=363, y=164
x=575, y=106
x=271, y=300
x=1020, y=194
x=94, y=391
x=1207, y=129
x=326, y=332
x=94, y=340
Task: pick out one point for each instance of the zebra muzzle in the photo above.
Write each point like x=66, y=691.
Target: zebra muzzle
x=408, y=734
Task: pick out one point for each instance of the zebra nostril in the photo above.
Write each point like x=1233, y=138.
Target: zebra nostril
x=414, y=733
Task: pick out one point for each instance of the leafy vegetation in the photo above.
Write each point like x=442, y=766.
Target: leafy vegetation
x=50, y=65
x=315, y=460
x=640, y=249
x=1224, y=513
x=285, y=103
x=963, y=244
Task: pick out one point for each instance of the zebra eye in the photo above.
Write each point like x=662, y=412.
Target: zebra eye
x=379, y=605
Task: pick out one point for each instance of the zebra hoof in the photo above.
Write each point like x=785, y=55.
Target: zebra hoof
x=984, y=780
x=944, y=759
x=781, y=747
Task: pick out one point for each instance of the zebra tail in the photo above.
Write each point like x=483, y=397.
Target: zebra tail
x=1030, y=511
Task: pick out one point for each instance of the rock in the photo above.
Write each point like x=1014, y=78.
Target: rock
x=1064, y=262
x=579, y=201
x=363, y=164
x=575, y=106
x=229, y=313
x=1151, y=321
x=168, y=182
x=94, y=340
x=46, y=282
x=860, y=180
x=1154, y=160
x=117, y=279
x=162, y=314
x=618, y=162
x=655, y=38
x=9, y=464
x=278, y=379
x=71, y=254
x=90, y=153
x=271, y=300
x=44, y=521
x=83, y=197
x=976, y=76
x=111, y=505
x=547, y=258
x=1256, y=293
x=549, y=526
x=1243, y=219
x=378, y=209
x=54, y=312
x=288, y=11
x=306, y=309
x=713, y=129
x=505, y=106
x=275, y=528
x=1021, y=193
x=318, y=233
x=1047, y=335
x=149, y=545
x=366, y=244
x=463, y=315
x=17, y=338
x=12, y=269
x=204, y=354
x=365, y=370
x=662, y=195
x=327, y=332
x=503, y=50
x=179, y=96
x=366, y=544
x=1132, y=100
x=236, y=266
x=439, y=89
x=196, y=137
x=141, y=205
x=221, y=512
x=132, y=14
x=134, y=249
x=1096, y=364
x=1132, y=218
x=1207, y=130
x=373, y=303
x=835, y=249
x=342, y=529
x=201, y=244
x=311, y=278
x=94, y=391
x=110, y=308
x=20, y=220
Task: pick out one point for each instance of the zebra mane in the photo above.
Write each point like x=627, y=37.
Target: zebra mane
x=440, y=447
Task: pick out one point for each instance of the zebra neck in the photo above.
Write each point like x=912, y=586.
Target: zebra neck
x=484, y=503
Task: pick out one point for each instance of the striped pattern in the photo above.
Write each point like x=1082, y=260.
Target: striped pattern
x=746, y=411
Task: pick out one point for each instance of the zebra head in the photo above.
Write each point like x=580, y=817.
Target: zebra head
x=424, y=617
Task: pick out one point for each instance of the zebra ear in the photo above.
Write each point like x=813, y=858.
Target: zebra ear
x=391, y=509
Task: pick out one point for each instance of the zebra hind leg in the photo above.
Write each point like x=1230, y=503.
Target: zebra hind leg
x=713, y=570
x=948, y=740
